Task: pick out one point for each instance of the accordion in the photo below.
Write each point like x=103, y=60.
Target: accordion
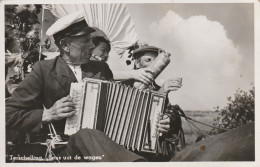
x=127, y=115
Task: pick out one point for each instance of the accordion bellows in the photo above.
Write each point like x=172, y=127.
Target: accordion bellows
x=127, y=115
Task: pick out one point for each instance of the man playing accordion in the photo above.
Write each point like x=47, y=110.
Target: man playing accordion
x=42, y=97
x=41, y=100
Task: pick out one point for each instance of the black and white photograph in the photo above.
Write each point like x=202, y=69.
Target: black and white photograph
x=129, y=81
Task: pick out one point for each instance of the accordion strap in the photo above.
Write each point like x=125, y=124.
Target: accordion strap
x=55, y=139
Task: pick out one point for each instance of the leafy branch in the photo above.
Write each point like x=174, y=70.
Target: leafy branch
x=239, y=110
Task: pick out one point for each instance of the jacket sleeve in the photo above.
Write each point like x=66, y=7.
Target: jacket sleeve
x=24, y=109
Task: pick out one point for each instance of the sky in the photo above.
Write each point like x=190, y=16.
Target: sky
x=212, y=47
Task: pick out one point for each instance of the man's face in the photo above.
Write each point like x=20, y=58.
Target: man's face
x=145, y=60
x=80, y=49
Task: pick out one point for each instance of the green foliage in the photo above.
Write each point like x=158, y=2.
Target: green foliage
x=22, y=41
x=239, y=110
x=21, y=28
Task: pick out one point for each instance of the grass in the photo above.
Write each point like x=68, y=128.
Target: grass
x=206, y=117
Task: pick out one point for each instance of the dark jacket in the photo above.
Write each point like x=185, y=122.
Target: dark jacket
x=48, y=82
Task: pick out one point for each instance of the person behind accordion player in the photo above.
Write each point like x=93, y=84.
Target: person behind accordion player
x=41, y=100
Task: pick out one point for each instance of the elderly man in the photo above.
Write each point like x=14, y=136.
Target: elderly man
x=170, y=124
x=143, y=57
x=41, y=100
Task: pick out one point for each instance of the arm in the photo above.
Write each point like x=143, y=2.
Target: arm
x=144, y=75
x=62, y=108
x=24, y=109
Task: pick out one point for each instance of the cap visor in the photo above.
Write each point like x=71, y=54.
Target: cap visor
x=86, y=30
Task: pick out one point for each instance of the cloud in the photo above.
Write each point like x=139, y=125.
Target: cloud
x=202, y=54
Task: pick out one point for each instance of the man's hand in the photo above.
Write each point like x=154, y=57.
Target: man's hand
x=62, y=108
x=144, y=75
x=164, y=124
x=171, y=85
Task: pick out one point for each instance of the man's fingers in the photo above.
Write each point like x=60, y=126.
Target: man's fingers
x=174, y=85
x=148, y=70
x=144, y=75
x=149, y=80
x=165, y=121
x=165, y=116
x=147, y=75
x=162, y=130
x=173, y=89
x=174, y=82
x=166, y=127
x=67, y=104
x=66, y=115
x=176, y=79
x=145, y=80
x=64, y=99
x=66, y=110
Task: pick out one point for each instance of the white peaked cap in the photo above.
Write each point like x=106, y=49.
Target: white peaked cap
x=67, y=21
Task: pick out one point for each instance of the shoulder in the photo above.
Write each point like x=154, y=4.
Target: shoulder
x=49, y=62
x=46, y=65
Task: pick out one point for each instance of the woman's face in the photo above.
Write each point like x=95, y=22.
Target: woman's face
x=102, y=50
